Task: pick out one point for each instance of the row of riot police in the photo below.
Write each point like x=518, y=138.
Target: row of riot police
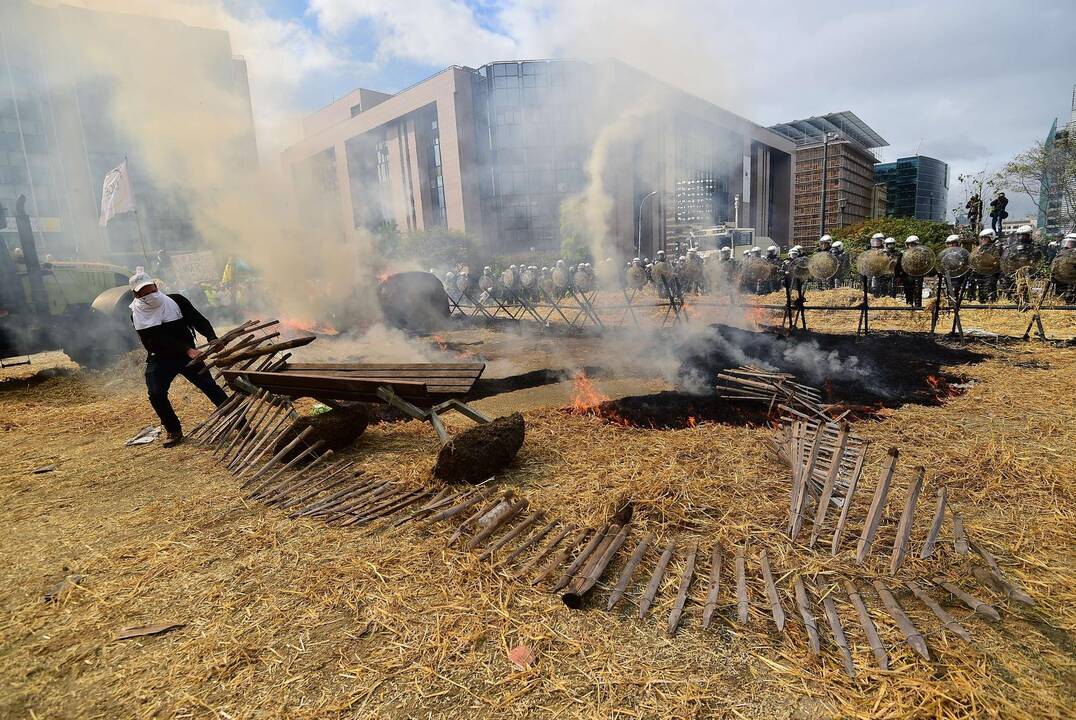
x=897, y=271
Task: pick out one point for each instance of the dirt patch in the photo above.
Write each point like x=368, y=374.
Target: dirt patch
x=480, y=452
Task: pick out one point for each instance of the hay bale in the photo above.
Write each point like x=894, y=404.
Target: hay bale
x=482, y=451
x=337, y=429
x=413, y=301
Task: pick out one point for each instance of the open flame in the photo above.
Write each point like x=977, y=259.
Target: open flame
x=941, y=387
x=585, y=396
x=304, y=325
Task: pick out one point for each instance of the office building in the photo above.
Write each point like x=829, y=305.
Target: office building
x=840, y=143
x=65, y=121
x=495, y=151
x=1057, y=216
x=916, y=187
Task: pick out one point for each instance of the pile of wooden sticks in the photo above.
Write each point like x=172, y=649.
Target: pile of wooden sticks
x=778, y=390
x=245, y=346
x=826, y=461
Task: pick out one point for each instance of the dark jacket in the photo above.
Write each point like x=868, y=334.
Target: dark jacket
x=171, y=340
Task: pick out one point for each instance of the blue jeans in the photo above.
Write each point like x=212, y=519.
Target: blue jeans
x=160, y=372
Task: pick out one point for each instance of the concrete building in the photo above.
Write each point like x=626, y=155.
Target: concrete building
x=495, y=151
x=61, y=128
x=841, y=143
x=916, y=187
x=1009, y=224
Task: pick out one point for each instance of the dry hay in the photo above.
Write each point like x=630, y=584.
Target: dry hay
x=290, y=618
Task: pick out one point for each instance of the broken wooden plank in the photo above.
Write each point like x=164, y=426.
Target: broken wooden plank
x=836, y=629
x=853, y=483
x=874, y=515
x=936, y=524
x=771, y=592
x=907, y=628
x=594, y=568
x=947, y=620
x=867, y=624
x=904, y=527
x=741, y=584
x=655, y=579
x=715, y=585
x=809, y=621
x=685, y=585
x=979, y=607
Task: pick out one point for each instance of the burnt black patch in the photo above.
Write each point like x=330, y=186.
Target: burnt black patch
x=882, y=369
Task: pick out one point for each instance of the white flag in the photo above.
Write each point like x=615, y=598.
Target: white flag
x=116, y=196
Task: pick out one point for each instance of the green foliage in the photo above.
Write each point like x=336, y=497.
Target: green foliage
x=573, y=232
x=930, y=232
x=437, y=247
x=1045, y=167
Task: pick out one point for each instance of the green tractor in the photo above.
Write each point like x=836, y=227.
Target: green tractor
x=78, y=307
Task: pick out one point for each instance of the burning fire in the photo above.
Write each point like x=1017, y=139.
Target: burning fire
x=941, y=387
x=585, y=396
x=442, y=344
x=307, y=326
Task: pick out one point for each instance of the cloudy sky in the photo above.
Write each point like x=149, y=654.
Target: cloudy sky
x=971, y=82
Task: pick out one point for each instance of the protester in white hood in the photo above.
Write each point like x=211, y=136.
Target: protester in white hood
x=166, y=325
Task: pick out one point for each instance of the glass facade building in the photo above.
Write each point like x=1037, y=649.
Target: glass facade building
x=496, y=151
x=916, y=187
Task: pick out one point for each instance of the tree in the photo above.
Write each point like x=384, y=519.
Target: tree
x=1046, y=174
x=930, y=232
x=438, y=247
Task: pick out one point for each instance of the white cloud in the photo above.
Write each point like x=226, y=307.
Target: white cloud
x=434, y=32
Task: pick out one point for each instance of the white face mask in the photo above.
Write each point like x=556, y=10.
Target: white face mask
x=151, y=301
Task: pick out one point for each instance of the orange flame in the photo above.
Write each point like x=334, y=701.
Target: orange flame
x=585, y=396
x=308, y=326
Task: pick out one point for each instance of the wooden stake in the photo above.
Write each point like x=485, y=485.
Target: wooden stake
x=685, y=585
x=904, y=527
x=561, y=555
x=629, y=569
x=741, y=584
x=533, y=562
x=960, y=538
x=512, y=534
x=484, y=534
x=602, y=535
x=936, y=524
x=904, y=623
x=874, y=515
x=947, y=620
x=827, y=488
x=979, y=607
x=809, y=621
x=804, y=487
x=527, y=544
x=868, y=625
x=836, y=629
x=771, y=592
x=655, y=579
x=715, y=585
x=853, y=483
x=1001, y=584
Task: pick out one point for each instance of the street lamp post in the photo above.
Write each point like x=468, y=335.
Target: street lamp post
x=639, y=240
x=825, y=164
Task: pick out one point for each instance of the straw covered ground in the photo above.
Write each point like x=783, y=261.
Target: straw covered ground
x=290, y=618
